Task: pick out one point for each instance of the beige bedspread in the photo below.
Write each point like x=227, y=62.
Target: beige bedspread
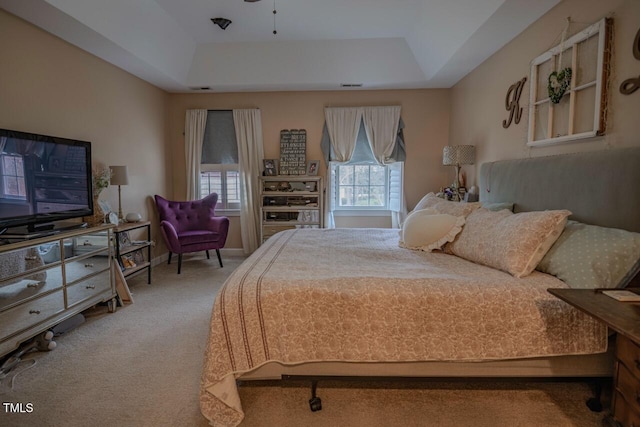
x=354, y=295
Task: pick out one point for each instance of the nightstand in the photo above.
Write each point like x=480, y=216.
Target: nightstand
x=624, y=318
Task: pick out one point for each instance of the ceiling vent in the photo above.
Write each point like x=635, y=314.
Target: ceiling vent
x=200, y=87
x=350, y=84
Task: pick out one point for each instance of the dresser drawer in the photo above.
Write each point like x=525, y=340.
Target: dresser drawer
x=270, y=230
x=31, y=313
x=76, y=270
x=16, y=291
x=629, y=354
x=18, y=262
x=624, y=413
x=629, y=386
x=88, y=288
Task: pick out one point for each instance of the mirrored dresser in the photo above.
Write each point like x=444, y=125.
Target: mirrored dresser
x=45, y=280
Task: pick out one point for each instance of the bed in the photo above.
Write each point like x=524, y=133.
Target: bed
x=352, y=302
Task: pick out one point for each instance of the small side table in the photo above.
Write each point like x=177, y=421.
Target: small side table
x=130, y=254
x=624, y=318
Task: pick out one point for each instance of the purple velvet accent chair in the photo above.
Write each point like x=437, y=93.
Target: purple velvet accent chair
x=192, y=226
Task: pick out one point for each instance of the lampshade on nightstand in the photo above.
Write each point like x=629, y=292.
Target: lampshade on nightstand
x=457, y=155
x=119, y=177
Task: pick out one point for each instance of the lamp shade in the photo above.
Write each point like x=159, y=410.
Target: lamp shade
x=453, y=155
x=119, y=175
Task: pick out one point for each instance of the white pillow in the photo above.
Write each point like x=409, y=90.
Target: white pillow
x=428, y=230
x=427, y=201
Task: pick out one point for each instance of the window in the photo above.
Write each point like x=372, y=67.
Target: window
x=362, y=186
x=12, y=175
x=219, y=171
x=223, y=180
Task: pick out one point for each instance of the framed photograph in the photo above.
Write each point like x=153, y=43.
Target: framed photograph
x=312, y=167
x=127, y=261
x=138, y=257
x=105, y=206
x=270, y=167
x=124, y=239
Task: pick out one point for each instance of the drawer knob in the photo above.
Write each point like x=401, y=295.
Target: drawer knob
x=34, y=311
x=90, y=286
x=88, y=265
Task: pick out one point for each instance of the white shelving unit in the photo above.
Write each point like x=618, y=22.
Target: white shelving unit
x=290, y=202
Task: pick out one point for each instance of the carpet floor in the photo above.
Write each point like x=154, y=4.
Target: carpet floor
x=141, y=366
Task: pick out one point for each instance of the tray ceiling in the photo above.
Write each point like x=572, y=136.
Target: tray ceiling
x=319, y=45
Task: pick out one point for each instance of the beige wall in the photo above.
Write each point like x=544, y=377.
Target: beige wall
x=50, y=87
x=477, y=102
x=425, y=114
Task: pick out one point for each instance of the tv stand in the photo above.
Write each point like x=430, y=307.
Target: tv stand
x=40, y=291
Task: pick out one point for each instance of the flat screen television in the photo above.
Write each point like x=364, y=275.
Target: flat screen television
x=43, y=179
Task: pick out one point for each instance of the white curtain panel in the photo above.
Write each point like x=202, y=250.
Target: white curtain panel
x=195, y=123
x=381, y=125
x=248, y=125
x=343, y=125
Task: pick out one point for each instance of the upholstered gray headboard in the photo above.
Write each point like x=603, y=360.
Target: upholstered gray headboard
x=600, y=188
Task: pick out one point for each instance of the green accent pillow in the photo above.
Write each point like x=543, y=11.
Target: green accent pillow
x=498, y=206
x=588, y=256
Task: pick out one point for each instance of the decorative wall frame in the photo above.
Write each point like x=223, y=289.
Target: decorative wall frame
x=581, y=111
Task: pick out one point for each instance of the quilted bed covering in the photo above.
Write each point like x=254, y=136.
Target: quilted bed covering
x=354, y=295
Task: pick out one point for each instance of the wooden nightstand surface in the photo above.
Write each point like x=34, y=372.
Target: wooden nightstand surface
x=622, y=317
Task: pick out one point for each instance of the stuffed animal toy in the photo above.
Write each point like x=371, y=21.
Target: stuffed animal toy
x=41, y=342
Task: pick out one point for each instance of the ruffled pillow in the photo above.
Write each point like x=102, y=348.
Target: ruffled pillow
x=446, y=206
x=427, y=201
x=428, y=230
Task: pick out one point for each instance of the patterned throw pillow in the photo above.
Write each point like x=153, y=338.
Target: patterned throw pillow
x=510, y=242
x=588, y=256
x=428, y=230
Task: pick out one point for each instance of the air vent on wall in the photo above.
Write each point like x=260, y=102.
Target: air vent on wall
x=350, y=84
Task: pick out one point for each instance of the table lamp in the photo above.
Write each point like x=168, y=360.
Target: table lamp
x=119, y=177
x=457, y=155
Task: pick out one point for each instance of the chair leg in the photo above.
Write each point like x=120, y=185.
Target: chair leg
x=219, y=258
x=207, y=251
x=179, y=262
x=170, y=253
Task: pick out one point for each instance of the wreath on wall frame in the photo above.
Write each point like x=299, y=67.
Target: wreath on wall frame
x=558, y=83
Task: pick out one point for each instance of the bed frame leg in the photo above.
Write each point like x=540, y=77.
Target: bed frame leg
x=315, y=403
x=595, y=403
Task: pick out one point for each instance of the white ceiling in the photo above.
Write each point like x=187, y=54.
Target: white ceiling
x=382, y=44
